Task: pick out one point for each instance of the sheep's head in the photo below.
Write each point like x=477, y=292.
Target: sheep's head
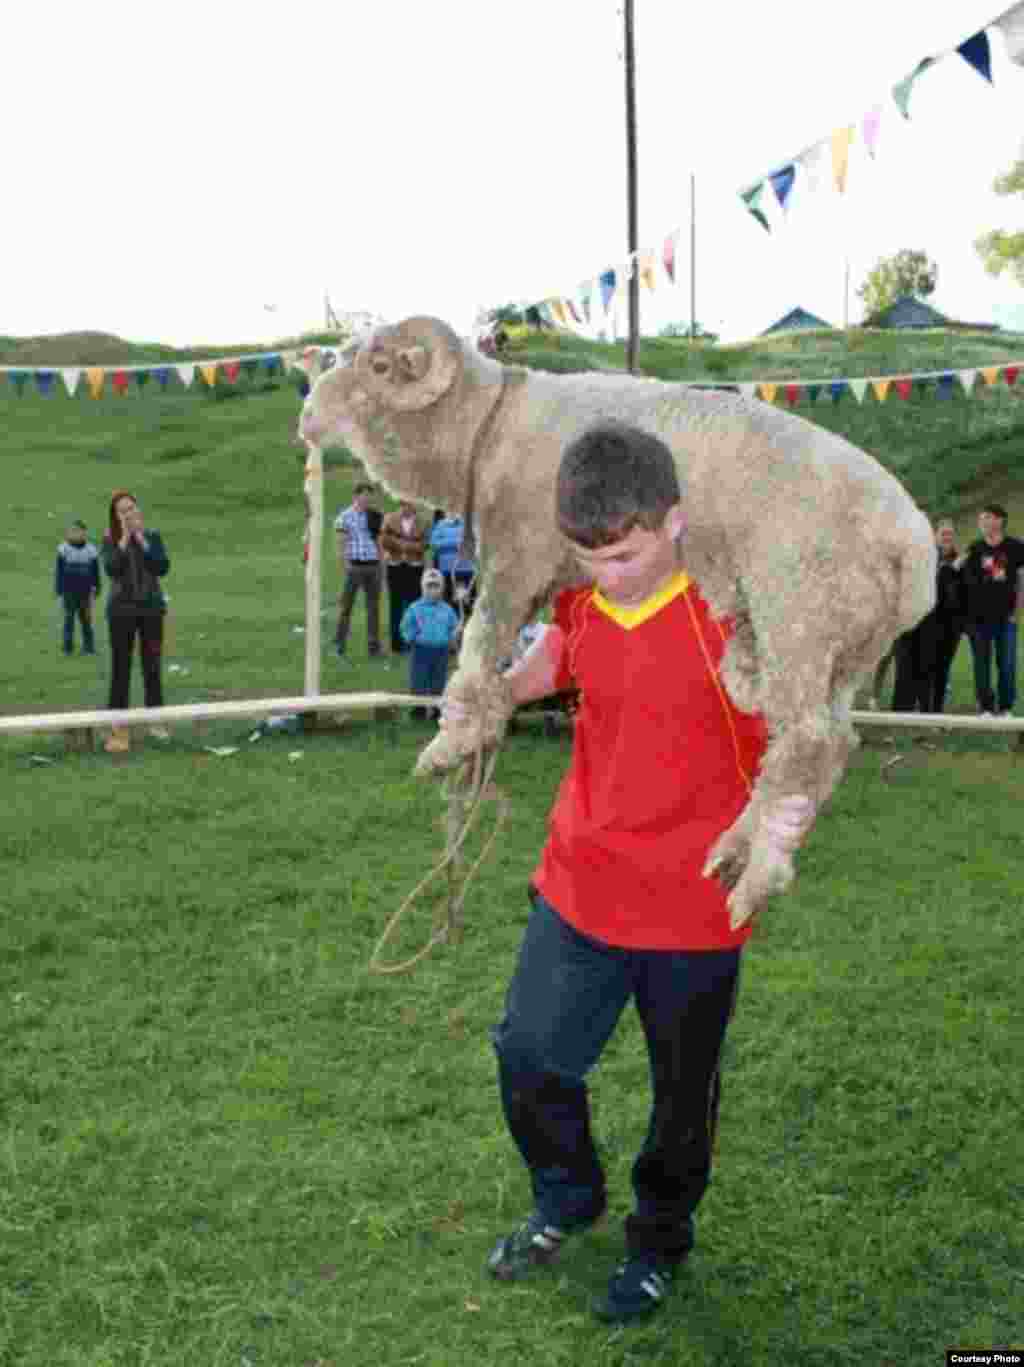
x=398, y=369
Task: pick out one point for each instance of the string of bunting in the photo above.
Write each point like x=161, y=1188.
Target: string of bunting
x=828, y=160
x=902, y=386
x=122, y=378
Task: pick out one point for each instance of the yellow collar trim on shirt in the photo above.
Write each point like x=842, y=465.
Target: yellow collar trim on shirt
x=643, y=612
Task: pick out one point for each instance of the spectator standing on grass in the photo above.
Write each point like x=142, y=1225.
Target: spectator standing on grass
x=924, y=655
x=459, y=570
x=403, y=547
x=135, y=561
x=428, y=625
x=662, y=765
x=992, y=577
x=359, y=560
x=76, y=583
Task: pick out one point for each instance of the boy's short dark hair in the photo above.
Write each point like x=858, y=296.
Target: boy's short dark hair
x=997, y=510
x=613, y=478
x=362, y=488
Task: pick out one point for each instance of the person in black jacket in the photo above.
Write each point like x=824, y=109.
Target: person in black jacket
x=992, y=573
x=135, y=560
x=924, y=655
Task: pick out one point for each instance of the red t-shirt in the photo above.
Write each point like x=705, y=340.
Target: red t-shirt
x=662, y=764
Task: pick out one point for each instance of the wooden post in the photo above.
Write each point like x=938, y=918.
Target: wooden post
x=314, y=490
x=634, y=275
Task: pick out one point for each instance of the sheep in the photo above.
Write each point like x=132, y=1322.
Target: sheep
x=817, y=554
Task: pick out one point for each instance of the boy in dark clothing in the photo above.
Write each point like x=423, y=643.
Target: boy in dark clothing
x=991, y=572
x=77, y=582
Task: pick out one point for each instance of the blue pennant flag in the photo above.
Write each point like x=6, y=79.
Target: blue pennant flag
x=18, y=378
x=607, y=283
x=44, y=381
x=272, y=363
x=946, y=385
x=837, y=389
x=782, y=183
x=163, y=374
x=976, y=52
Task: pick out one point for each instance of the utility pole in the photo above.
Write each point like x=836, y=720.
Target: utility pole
x=634, y=277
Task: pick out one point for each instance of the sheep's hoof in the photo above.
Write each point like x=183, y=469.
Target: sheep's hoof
x=441, y=756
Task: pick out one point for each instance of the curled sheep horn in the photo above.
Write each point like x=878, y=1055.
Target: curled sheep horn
x=410, y=366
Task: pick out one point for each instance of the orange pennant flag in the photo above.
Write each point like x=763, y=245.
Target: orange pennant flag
x=991, y=373
x=768, y=392
x=209, y=373
x=645, y=268
x=841, y=140
x=881, y=388
x=94, y=377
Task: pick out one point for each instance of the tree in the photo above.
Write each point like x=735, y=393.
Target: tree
x=698, y=332
x=1001, y=251
x=908, y=272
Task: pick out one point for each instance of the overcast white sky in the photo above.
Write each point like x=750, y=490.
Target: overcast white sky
x=173, y=169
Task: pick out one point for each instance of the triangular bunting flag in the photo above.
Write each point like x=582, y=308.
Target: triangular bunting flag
x=607, y=282
x=163, y=374
x=668, y=255
x=792, y=392
x=1011, y=372
x=586, y=292
x=209, y=373
x=1011, y=26
x=232, y=370
x=967, y=380
x=141, y=379
x=70, y=377
x=921, y=384
x=751, y=198
x=288, y=358
x=94, y=377
x=903, y=387
x=645, y=267
x=841, y=140
x=976, y=53
x=186, y=373
x=812, y=162
x=558, y=311
x=748, y=390
x=44, y=382
x=271, y=364
x=119, y=381
x=869, y=127
x=782, y=183
x=901, y=91
x=858, y=388
x=813, y=390
x=990, y=373
x=18, y=378
x=767, y=391
x=881, y=388
x=251, y=365
x=837, y=388
x=946, y=385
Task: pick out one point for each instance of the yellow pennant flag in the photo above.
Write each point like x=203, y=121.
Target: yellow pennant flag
x=841, y=140
x=768, y=392
x=209, y=373
x=991, y=373
x=645, y=268
x=881, y=388
x=94, y=377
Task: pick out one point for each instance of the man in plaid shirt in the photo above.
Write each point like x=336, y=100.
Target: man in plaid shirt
x=359, y=557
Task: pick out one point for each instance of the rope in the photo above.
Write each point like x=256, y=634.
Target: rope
x=463, y=811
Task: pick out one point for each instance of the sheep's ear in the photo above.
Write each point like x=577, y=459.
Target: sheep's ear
x=413, y=362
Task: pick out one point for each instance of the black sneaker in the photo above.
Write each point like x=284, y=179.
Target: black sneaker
x=534, y=1244
x=636, y=1289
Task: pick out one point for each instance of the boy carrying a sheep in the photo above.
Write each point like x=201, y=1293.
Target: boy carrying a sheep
x=662, y=764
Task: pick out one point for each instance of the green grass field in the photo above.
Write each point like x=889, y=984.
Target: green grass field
x=223, y=1143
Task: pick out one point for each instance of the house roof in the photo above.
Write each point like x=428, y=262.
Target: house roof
x=907, y=312
x=797, y=320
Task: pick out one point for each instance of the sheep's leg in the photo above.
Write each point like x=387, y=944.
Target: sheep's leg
x=489, y=637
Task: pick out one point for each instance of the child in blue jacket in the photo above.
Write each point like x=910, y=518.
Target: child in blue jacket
x=77, y=582
x=428, y=625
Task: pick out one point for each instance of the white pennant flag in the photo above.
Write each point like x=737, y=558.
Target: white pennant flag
x=858, y=387
x=747, y=390
x=71, y=376
x=967, y=380
x=186, y=372
x=812, y=163
x=1011, y=25
x=288, y=359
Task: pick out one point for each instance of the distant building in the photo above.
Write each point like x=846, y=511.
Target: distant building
x=907, y=312
x=798, y=320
